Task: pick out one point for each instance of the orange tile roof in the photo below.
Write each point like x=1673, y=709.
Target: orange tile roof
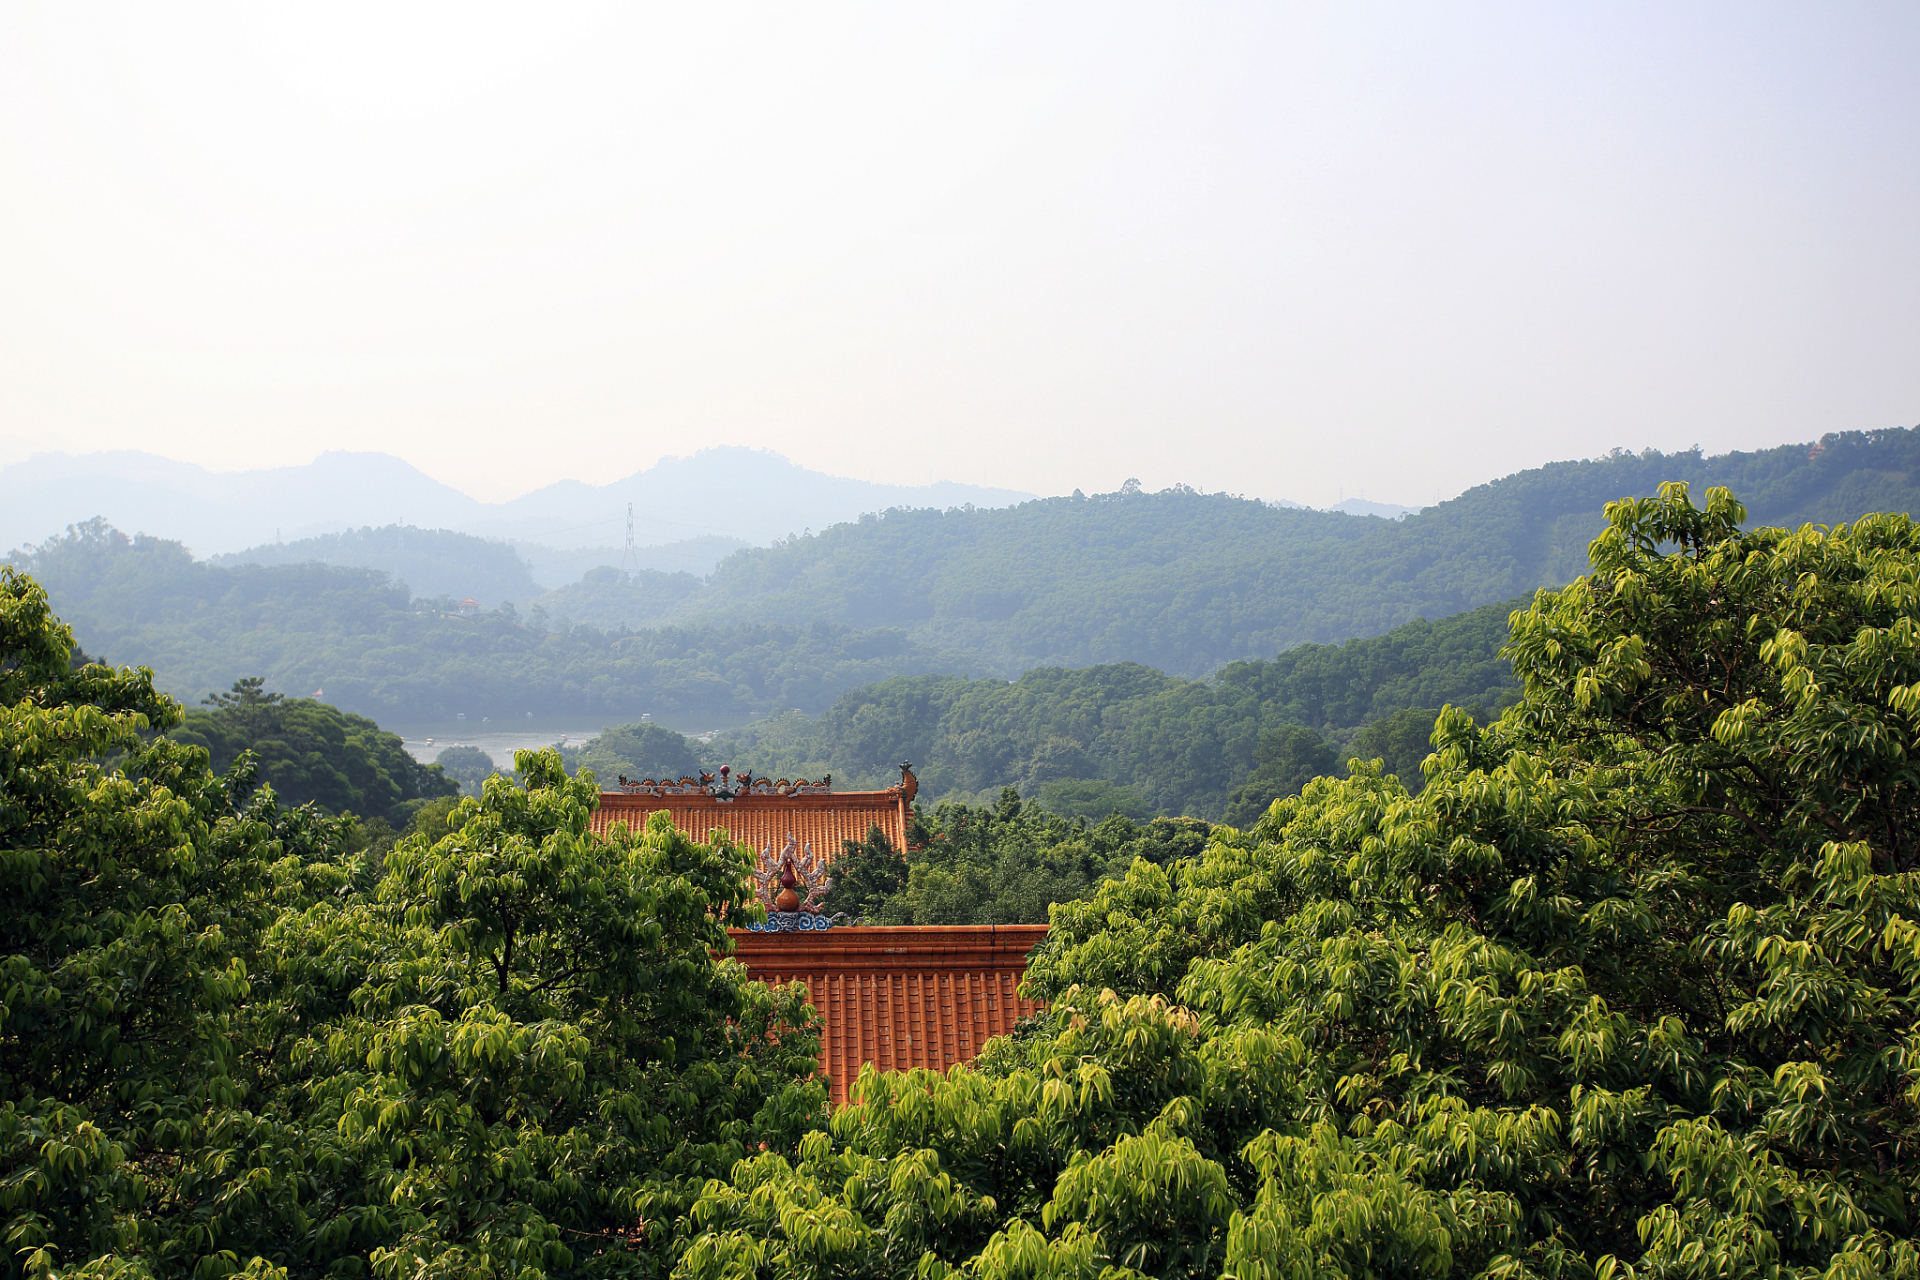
x=765, y=822
x=912, y=996
x=819, y=820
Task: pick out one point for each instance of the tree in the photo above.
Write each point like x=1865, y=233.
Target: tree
x=1399, y=742
x=534, y=1059
x=637, y=751
x=248, y=703
x=468, y=766
x=1288, y=758
x=1090, y=798
x=132, y=898
x=1005, y=863
x=864, y=875
x=232, y=1045
x=312, y=752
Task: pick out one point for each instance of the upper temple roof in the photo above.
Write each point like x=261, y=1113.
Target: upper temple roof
x=763, y=813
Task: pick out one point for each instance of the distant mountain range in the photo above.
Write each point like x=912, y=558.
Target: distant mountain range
x=1177, y=580
x=1185, y=581
x=725, y=496
x=444, y=562
x=1362, y=507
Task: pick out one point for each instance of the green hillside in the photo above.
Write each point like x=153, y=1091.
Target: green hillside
x=367, y=646
x=1124, y=736
x=1186, y=581
x=429, y=562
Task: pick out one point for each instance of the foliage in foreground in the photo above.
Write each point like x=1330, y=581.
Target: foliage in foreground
x=1628, y=989
x=228, y=1045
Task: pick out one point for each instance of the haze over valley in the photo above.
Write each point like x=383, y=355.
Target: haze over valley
x=738, y=495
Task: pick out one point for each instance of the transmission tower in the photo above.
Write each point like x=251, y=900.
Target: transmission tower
x=630, y=558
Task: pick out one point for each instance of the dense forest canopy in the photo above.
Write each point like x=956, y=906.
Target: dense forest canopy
x=429, y=562
x=504, y=1049
x=1178, y=581
x=1627, y=990
x=1004, y=863
x=311, y=752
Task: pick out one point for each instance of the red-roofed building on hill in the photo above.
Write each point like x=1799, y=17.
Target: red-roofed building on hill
x=918, y=996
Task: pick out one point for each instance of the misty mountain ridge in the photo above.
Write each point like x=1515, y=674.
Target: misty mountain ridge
x=445, y=563
x=1362, y=507
x=1185, y=581
x=731, y=494
x=1179, y=581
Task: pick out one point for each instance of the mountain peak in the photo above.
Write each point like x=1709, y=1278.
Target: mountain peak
x=739, y=492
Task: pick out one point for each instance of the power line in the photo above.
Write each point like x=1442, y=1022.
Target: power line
x=630, y=558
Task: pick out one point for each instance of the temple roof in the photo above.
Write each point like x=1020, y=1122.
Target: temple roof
x=914, y=996
x=901, y=997
x=762, y=813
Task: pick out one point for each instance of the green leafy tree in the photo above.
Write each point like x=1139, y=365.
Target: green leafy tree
x=1005, y=863
x=864, y=875
x=637, y=751
x=467, y=765
x=232, y=1045
x=312, y=752
x=1092, y=798
x=1399, y=742
x=536, y=1061
x=133, y=896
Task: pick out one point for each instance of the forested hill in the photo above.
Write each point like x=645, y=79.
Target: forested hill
x=1127, y=737
x=430, y=562
x=1185, y=581
x=366, y=645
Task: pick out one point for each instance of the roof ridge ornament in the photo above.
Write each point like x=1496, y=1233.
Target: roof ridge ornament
x=724, y=788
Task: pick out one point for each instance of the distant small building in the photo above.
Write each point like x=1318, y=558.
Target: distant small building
x=469, y=608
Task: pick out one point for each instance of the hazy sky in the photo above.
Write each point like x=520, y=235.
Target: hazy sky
x=1283, y=250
